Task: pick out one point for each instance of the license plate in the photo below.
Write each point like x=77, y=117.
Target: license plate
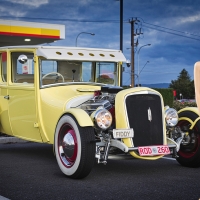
x=154, y=150
x=123, y=133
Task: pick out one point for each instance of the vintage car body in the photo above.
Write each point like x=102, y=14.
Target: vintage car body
x=71, y=98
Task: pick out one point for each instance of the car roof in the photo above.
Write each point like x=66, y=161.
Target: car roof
x=74, y=53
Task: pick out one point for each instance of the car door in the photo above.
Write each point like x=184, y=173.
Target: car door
x=22, y=96
x=4, y=118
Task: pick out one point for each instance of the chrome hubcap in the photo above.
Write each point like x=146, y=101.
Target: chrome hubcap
x=68, y=145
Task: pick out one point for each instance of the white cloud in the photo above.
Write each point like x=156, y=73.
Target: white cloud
x=6, y=11
x=190, y=19
x=16, y=13
x=85, y=2
x=32, y=3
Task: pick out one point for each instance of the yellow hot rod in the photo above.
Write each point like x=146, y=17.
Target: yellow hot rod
x=71, y=98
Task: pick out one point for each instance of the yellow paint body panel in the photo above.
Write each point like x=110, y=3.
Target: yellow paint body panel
x=190, y=109
x=5, y=123
x=52, y=105
x=23, y=119
x=81, y=116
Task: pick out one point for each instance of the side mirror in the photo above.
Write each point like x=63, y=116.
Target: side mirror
x=22, y=59
x=128, y=63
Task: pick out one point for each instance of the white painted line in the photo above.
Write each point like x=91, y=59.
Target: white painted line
x=3, y=198
x=168, y=158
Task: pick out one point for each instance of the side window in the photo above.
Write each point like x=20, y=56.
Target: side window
x=22, y=67
x=3, y=60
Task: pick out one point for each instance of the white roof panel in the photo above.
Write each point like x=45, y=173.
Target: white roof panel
x=76, y=53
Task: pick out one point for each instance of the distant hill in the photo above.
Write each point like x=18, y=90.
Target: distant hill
x=156, y=85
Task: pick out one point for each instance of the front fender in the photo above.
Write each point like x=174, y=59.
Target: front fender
x=183, y=115
x=191, y=109
x=81, y=116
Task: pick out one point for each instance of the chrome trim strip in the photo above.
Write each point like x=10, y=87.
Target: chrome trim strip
x=149, y=114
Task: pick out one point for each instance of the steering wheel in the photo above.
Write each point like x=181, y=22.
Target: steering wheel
x=56, y=73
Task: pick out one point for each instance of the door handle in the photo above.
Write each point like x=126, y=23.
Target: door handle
x=7, y=97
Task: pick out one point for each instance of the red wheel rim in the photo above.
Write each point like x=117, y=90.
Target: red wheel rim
x=188, y=151
x=67, y=145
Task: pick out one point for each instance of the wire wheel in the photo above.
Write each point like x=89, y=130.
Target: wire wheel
x=189, y=153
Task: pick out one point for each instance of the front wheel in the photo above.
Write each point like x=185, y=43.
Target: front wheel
x=74, y=147
x=189, y=153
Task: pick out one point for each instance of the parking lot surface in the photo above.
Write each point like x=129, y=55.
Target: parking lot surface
x=30, y=171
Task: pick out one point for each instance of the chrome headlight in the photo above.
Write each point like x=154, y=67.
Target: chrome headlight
x=102, y=118
x=171, y=117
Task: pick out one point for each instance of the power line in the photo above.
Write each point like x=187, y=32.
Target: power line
x=173, y=33
x=64, y=19
x=171, y=29
x=149, y=25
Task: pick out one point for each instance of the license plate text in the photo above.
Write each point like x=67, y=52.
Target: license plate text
x=123, y=133
x=154, y=150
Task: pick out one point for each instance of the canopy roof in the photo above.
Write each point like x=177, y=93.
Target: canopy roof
x=29, y=33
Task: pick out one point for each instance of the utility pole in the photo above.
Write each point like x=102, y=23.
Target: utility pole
x=121, y=36
x=133, y=44
x=121, y=25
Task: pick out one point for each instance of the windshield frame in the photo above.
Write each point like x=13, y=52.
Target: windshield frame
x=112, y=75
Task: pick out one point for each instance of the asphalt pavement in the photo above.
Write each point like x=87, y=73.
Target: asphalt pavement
x=9, y=140
x=29, y=171
x=6, y=140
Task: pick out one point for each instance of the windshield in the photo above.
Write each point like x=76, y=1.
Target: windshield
x=56, y=71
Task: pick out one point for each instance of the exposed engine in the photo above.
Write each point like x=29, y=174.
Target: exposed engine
x=104, y=98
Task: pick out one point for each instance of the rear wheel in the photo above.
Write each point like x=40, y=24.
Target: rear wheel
x=189, y=153
x=74, y=147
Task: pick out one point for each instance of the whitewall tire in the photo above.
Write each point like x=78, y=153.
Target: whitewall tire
x=74, y=147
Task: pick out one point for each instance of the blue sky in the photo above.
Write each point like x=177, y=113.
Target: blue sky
x=172, y=27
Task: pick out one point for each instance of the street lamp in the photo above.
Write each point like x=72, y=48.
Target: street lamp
x=121, y=32
x=138, y=61
x=121, y=24
x=136, y=77
x=83, y=33
x=143, y=67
